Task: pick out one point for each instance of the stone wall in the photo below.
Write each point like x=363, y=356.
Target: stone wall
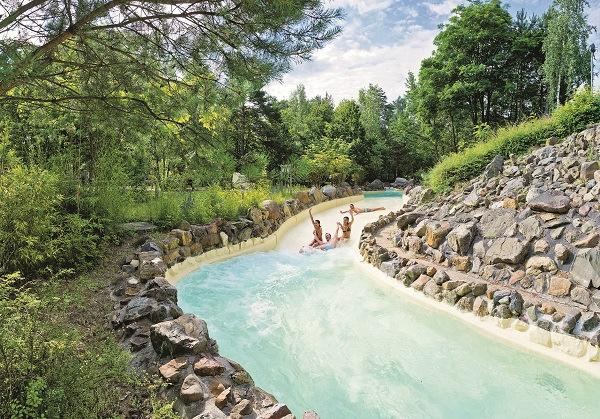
x=177, y=346
x=519, y=242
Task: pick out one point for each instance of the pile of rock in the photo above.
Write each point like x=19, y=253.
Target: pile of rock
x=528, y=228
x=178, y=346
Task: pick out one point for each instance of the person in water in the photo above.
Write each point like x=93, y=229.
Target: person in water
x=317, y=232
x=332, y=241
x=356, y=210
x=347, y=226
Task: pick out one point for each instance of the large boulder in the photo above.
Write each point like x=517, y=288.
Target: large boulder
x=407, y=219
x=586, y=268
x=400, y=182
x=376, y=185
x=460, y=238
x=273, y=208
x=494, y=167
x=185, y=335
x=587, y=170
x=139, y=308
x=436, y=232
x=149, y=269
x=551, y=202
x=317, y=195
x=330, y=191
x=506, y=250
x=494, y=223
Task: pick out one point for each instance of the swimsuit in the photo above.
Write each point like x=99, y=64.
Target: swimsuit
x=368, y=210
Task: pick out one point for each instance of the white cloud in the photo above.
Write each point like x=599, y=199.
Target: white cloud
x=444, y=8
x=342, y=70
x=362, y=6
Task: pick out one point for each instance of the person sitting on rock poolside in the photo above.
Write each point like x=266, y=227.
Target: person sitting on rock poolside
x=332, y=241
x=356, y=210
x=347, y=226
x=317, y=232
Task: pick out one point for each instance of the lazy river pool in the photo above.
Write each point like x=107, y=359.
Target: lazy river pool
x=323, y=332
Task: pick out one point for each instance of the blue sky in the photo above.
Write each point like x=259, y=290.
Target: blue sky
x=382, y=40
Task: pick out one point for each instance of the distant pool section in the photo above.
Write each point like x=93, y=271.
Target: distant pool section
x=387, y=193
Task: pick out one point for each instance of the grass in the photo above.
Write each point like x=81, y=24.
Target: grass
x=460, y=167
x=203, y=206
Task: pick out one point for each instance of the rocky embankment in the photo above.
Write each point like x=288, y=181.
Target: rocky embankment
x=521, y=241
x=177, y=346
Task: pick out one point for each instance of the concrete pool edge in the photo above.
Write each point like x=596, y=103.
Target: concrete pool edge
x=512, y=331
x=566, y=348
x=192, y=263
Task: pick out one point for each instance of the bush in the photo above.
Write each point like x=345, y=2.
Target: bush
x=36, y=236
x=201, y=207
x=574, y=116
x=47, y=371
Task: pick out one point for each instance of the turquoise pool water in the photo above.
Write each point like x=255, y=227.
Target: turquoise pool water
x=322, y=332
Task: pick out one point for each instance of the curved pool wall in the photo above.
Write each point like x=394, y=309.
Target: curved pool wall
x=256, y=244
x=325, y=332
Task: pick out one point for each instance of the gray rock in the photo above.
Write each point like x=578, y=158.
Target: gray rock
x=506, y=250
x=407, y=219
x=431, y=288
x=440, y=277
x=329, y=191
x=550, y=202
x=185, y=335
x=460, y=238
x=390, y=267
x=539, y=264
x=376, y=185
x=587, y=170
x=581, y=295
x=589, y=321
x=531, y=227
x=495, y=223
x=586, y=268
x=494, y=167
x=144, y=307
x=562, y=253
x=516, y=303
x=569, y=321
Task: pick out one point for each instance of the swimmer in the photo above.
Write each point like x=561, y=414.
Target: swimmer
x=347, y=226
x=356, y=210
x=331, y=242
x=317, y=232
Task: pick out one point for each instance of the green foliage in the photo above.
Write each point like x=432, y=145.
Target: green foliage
x=460, y=167
x=36, y=235
x=200, y=207
x=566, y=63
x=46, y=371
x=329, y=160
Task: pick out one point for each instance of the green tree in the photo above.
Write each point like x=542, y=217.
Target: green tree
x=345, y=122
x=373, y=112
x=565, y=46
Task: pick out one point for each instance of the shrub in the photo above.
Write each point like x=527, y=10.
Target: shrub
x=574, y=116
x=36, y=236
x=47, y=371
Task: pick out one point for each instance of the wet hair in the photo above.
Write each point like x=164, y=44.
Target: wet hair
x=318, y=222
x=346, y=219
x=351, y=205
x=327, y=236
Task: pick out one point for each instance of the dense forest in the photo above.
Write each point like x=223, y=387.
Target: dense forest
x=119, y=110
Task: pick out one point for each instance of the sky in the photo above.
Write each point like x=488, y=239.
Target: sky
x=381, y=41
